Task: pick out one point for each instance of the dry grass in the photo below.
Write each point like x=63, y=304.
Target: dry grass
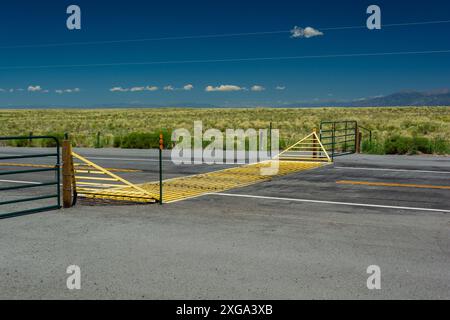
x=83, y=124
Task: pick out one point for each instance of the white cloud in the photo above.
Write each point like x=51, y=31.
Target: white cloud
x=280, y=87
x=118, y=89
x=307, y=32
x=134, y=89
x=61, y=91
x=187, y=87
x=257, y=88
x=223, y=88
x=33, y=89
x=137, y=89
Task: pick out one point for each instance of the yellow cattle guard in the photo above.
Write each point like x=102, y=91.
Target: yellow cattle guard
x=97, y=182
x=218, y=181
x=306, y=154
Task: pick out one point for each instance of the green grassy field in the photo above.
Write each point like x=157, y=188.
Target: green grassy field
x=396, y=130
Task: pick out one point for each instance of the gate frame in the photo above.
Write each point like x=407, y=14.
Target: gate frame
x=333, y=130
x=56, y=169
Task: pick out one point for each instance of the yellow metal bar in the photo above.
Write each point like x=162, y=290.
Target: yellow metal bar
x=324, y=150
x=100, y=169
x=309, y=143
x=89, y=171
x=30, y=165
x=294, y=145
x=81, y=183
x=95, y=178
x=83, y=166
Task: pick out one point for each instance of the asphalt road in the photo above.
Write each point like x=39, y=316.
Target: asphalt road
x=302, y=236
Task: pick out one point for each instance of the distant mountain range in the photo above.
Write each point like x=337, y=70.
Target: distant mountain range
x=409, y=98
x=404, y=98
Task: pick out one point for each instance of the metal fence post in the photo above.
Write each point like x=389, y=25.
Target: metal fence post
x=270, y=140
x=161, y=147
x=333, y=139
x=358, y=136
x=345, y=138
x=98, y=140
x=58, y=173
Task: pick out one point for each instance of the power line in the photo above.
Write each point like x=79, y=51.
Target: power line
x=391, y=25
x=143, y=40
x=118, y=64
x=224, y=35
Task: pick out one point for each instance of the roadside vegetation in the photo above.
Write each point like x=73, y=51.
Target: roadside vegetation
x=399, y=130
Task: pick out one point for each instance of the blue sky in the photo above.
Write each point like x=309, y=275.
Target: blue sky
x=28, y=27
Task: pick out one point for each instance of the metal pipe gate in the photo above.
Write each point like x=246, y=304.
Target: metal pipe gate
x=339, y=137
x=56, y=169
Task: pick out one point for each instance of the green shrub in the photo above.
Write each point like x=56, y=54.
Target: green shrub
x=51, y=143
x=407, y=145
x=372, y=147
x=117, y=141
x=139, y=140
x=441, y=146
x=142, y=140
x=397, y=144
x=421, y=145
x=20, y=143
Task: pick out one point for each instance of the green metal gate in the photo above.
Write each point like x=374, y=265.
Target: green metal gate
x=339, y=137
x=56, y=182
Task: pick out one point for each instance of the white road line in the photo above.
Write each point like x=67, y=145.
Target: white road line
x=328, y=202
x=387, y=169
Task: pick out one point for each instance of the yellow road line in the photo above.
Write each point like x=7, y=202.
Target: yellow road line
x=385, y=184
x=29, y=165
